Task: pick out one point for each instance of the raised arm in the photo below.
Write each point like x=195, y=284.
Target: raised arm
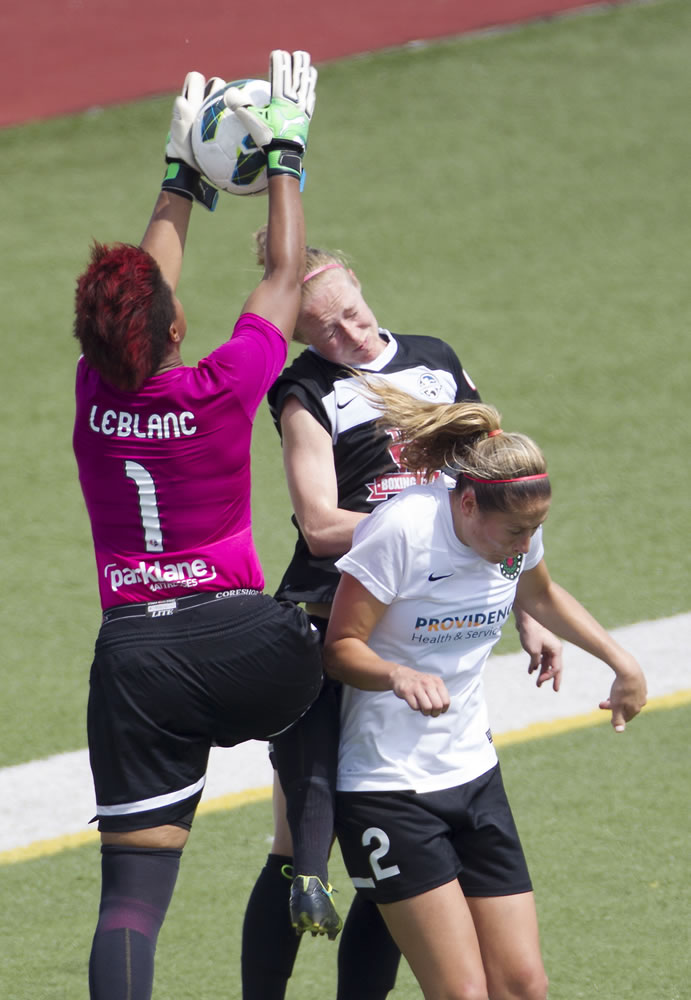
x=277, y=297
x=560, y=612
x=182, y=185
x=280, y=129
x=311, y=475
x=166, y=234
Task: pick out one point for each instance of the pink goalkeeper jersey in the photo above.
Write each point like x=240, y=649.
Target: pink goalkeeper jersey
x=165, y=470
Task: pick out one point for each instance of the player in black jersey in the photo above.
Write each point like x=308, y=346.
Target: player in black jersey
x=362, y=467
x=340, y=465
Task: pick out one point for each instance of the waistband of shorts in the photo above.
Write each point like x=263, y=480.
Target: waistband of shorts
x=173, y=605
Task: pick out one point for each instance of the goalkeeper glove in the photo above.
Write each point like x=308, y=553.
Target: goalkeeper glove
x=281, y=128
x=182, y=174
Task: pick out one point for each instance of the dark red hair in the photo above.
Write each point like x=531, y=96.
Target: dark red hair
x=123, y=311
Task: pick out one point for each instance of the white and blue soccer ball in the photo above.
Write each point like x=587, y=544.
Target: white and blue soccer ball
x=225, y=153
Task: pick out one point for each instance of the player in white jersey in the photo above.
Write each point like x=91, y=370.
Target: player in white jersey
x=423, y=821
x=340, y=465
x=190, y=652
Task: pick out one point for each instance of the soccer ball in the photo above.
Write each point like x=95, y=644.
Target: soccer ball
x=226, y=155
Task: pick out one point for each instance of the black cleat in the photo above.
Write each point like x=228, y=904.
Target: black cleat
x=312, y=908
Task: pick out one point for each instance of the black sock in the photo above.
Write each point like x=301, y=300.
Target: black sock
x=269, y=942
x=310, y=809
x=306, y=758
x=368, y=957
x=136, y=887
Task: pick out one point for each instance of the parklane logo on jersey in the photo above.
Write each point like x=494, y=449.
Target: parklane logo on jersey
x=471, y=625
x=159, y=576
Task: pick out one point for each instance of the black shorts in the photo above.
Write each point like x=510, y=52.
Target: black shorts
x=398, y=844
x=172, y=678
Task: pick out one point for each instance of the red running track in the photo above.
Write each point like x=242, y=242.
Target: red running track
x=61, y=56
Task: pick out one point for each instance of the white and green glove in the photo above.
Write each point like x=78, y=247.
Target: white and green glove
x=281, y=128
x=182, y=174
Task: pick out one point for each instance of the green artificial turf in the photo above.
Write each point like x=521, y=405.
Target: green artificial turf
x=603, y=820
x=524, y=195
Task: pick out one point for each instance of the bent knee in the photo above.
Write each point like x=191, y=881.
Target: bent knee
x=529, y=983
x=535, y=985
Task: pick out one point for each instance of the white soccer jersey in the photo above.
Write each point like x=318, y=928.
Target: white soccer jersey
x=446, y=609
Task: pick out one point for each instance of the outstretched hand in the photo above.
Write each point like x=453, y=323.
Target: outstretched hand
x=182, y=175
x=627, y=696
x=543, y=648
x=195, y=90
x=281, y=128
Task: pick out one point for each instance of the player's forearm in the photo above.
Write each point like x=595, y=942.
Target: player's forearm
x=521, y=616
x=166, y=234
x=285, y=242
x=560, y=612
x=351, y=661
x=277, y=297
x=331, y=533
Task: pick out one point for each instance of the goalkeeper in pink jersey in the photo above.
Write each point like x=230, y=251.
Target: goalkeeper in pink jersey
x=190, y=652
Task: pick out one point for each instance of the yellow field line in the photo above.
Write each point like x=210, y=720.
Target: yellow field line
x=43, y=848
x=536, y=731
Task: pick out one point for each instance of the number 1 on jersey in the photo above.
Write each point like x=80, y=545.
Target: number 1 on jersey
x=148, y=505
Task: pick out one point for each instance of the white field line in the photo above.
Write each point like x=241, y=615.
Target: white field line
x=50, y=798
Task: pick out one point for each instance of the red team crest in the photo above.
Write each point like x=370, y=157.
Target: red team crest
x=383, y=487
x=511, y=566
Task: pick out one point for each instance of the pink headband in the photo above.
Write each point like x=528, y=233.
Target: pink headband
x=494, y=482
x=324, y=267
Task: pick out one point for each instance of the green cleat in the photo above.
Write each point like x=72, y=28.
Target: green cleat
x=312, y=908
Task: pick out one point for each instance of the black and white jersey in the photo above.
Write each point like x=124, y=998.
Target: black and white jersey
x=366, y=457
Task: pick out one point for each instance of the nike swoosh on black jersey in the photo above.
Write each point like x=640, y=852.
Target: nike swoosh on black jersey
x=442, y=576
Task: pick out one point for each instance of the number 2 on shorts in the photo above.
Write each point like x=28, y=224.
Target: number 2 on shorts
x=374, y=833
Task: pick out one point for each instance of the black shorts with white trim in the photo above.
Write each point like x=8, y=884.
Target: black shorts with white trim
x=170, y=679
x=399, y=844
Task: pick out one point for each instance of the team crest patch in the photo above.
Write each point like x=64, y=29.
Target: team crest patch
x=511, y=566
x=429, y=385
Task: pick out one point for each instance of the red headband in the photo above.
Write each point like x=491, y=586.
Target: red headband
x=324, y=267
x=494, y=482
